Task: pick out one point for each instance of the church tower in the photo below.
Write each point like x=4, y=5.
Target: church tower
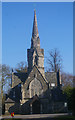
x=35, y=54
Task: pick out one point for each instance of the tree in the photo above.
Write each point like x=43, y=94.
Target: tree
x=21, y=67
x=54, y=60
x=5, y=75
x=69, y=92
x=67, y=80
x=5, y=72
x=73, y=101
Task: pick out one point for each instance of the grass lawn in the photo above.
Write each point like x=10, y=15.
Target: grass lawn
x=64, y=118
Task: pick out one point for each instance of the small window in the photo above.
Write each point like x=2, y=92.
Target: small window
x=65, y=104
x=52, y=84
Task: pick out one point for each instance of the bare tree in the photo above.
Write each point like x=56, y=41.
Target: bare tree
x=54, y=60
x=67, y=80
x=5, y=82
x=21, y=67
x=5, y=73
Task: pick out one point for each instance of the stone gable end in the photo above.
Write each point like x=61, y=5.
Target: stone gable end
x=35, y=73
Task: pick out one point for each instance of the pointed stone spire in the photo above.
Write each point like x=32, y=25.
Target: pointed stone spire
x=35, y=54
x=35, y=28
x=35, y=41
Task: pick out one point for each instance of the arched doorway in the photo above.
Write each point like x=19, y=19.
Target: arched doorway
x=36, y=107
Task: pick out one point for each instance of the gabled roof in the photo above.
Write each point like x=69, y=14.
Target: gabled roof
x=34, y=99
x=39, y=72
x=51, y=77
x=18, y=78
x=22, y=76
x=39, y=77
x=9, y=101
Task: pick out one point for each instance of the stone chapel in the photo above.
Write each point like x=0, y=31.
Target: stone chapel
x=36, y=91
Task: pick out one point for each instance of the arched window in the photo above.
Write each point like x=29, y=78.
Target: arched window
x=35, y=87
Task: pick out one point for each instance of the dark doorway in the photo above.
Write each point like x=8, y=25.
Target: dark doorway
x=36, y=107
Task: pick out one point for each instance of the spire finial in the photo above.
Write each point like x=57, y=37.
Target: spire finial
x=34, y=10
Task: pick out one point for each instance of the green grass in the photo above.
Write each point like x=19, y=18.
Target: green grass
x=64, y=118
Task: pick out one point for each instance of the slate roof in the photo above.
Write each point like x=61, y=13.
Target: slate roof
x=9, y=100
x=34, y=99
x=22, y=76
x=57, y=94
x=51, y=77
